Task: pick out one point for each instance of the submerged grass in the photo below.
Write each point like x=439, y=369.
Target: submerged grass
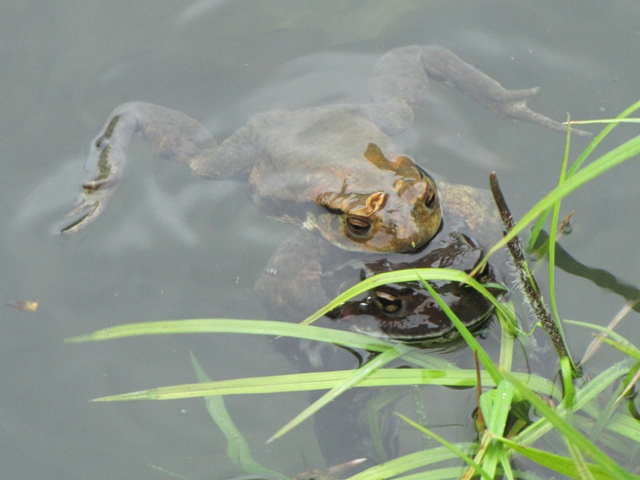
x=589, y=428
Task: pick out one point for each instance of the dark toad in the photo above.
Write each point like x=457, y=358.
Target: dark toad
x=333, y=169
x=305, y=273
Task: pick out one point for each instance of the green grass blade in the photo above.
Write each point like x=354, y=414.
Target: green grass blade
x=503, y=396
x=355, y=377
x=552, y=263
x=601, y=136
x=609, y=160
x=458, y=452
x=496, y=405
x=302, y=382
x=406, y=463
x=507, y=337
x=605, y=121
x=231, y=325
x=571, y=434
x=558, y=463
x=612, y=338
x=466, y=334
x=237, y=447
x=585, y=395
x=579, y=161
x=581, y=465
x=626, y=426
x=396, y=276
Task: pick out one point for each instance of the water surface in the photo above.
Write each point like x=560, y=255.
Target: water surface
x=172, y=246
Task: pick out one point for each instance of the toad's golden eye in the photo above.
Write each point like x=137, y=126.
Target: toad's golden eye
x=386, y=302
x=358, y=227
x=431, y=196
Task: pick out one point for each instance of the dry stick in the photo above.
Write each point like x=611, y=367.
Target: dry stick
x=480, y=423
x=525, y=277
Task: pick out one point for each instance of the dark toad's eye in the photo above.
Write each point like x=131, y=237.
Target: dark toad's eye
x=358, y=227
x=386, y=302
x=485, y=274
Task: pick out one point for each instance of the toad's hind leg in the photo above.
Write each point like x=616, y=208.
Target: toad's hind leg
x=399, y=82
x=174, y=136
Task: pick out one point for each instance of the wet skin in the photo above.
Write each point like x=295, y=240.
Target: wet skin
x=306, y=272
x=333, y=169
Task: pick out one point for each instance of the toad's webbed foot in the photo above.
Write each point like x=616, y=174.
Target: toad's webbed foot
x=513, y=104
x=106, y=162
x=91, y=205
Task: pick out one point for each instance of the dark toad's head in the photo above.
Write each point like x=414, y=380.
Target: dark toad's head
x=408, y=312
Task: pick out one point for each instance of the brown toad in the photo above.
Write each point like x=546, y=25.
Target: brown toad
x=306, y=272
x=333, y=169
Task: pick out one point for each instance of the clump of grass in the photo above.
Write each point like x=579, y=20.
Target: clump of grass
x=576, y=415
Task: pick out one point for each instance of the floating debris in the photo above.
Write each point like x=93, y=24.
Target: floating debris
x=25, y=305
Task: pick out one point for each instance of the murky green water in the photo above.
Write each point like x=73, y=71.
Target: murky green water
x=171, y=246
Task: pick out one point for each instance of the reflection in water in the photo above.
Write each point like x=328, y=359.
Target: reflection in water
x=598, y=276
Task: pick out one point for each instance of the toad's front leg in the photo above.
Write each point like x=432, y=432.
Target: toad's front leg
x=290, y=286
x=173, y=135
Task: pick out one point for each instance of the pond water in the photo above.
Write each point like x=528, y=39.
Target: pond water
x=171, y=246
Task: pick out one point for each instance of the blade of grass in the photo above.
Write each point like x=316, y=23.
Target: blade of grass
x=458, y=452
x=574, y=371
x=581, y=465
x=620, y=342
x=601, y=136
x=303, y=382
x=412, y=461
x=596, y=342
x=507, y=339
x=571, y=434
x=496, y=405
x=605, y=414
x=609, y=160
x=603, y=120
x=578, y=163
x=230, y=325
x=626, y=426
x=372, y=409
x=558, y=463
x=585, y=395
x=466, y=334
x=396, y=276
x=352, y=380
x=237, y=447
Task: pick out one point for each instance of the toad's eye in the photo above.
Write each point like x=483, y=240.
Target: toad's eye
x=358, y=227
x=431, y=194
x=430, y=197
x=386, y=302
x=485, y=274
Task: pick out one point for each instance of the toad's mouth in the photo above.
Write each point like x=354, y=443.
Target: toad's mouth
x=422, y=334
